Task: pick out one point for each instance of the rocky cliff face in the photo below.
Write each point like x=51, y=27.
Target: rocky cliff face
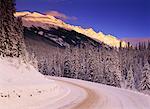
x=11, y=38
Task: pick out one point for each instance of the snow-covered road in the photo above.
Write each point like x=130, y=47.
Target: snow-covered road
x=22, y=87
x=106, y=97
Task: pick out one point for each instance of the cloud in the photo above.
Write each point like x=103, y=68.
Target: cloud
x=60, y=15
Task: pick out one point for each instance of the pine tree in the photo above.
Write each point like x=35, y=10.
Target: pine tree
x=148, y=47
x=98, y=76
x=144, y=45
x=129, y=45
x=75, y=65
x=130, y=79
x=53, y=72
x=140, y=46
x=112, y=73
x=67, y=64
x=136, y=48
x=145, y=82
x=33, y=61
x=90, y=64
x=45, y=68
x=11, y=34
x=120, y=45
x=67, y=71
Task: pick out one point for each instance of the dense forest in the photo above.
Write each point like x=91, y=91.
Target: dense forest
x=59, y=52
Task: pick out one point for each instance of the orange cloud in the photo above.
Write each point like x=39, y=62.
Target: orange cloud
x=60, y=15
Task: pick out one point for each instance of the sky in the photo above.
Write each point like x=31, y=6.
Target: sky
x=121, y=18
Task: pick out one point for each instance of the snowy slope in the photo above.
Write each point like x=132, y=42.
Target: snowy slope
x=22, y=87
x=46, y=21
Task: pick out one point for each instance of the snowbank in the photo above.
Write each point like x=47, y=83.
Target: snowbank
x=22, y=87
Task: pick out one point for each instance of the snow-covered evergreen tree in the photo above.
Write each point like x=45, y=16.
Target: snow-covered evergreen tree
x=130, y=82
x=33, y=61
x=44, y=68
x=11, y=31
x=67, y=63
x=145, y=82
x=148, y=46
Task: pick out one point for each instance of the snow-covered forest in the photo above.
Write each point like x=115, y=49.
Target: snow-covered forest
x=53, y=55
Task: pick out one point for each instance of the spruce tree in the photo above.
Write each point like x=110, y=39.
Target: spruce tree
x=148, y=47
x=130, y=79
x=145, y=82
x=11, y=31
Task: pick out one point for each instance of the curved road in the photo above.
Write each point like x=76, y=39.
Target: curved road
x=90, y=99
x=104, y=97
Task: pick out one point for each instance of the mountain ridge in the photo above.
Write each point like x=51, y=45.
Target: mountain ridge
x=46, y=21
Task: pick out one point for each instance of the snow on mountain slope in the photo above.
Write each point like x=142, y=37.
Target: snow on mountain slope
x=46, y=21
x=22, y=87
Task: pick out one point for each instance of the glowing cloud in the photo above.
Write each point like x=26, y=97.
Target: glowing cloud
x=60, y=15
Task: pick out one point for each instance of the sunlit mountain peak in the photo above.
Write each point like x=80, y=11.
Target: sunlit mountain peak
x=46, y=21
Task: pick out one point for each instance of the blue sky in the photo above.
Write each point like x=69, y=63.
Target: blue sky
x=121, y=18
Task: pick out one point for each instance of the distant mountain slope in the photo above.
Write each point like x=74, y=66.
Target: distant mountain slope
x=61, y=37
x=46, y=21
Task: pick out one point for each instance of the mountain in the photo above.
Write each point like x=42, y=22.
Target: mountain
x=46, y=21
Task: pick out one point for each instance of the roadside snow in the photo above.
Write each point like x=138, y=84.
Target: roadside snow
x=22, y=87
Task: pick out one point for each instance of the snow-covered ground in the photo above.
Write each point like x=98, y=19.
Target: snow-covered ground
x=22, y=87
